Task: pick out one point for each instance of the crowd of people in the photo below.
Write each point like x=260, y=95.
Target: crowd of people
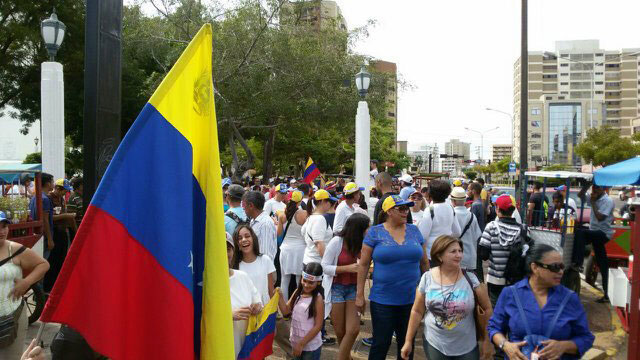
x=420, y=251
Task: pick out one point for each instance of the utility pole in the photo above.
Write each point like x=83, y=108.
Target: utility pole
x=430, y=162
x=524, y=108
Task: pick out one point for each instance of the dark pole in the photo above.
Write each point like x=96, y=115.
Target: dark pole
x=524, y=111
x=102, y=90
x=430, y=162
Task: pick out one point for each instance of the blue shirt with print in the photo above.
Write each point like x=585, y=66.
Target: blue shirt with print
x=396, y=272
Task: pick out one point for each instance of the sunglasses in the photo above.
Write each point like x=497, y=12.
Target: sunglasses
x=403, y=208
x=555, y=268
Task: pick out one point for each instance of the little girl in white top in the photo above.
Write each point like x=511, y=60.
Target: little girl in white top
x=307, y=308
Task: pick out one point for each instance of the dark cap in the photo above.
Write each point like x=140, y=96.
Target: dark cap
x=235, y=191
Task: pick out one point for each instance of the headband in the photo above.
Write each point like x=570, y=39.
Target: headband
x=311, y=277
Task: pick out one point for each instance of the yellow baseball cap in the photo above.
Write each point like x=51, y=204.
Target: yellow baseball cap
x=63, y=183
x=457, y=182
x=393, y=201
x=323, y=194
x=296, y=196
x=350, y=188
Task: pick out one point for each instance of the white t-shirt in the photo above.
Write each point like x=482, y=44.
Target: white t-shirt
x=259, y=272
x=343, y=211
x=417, y=216
x=243, y=293
x=272, y=206
x=443, y=223
x=315, y=229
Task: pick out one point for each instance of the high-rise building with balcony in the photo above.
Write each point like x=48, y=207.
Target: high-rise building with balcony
x=580, y=81
x=500, y=151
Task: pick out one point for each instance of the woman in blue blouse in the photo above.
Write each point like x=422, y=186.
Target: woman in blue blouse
x=541, y=296
x=397, y=249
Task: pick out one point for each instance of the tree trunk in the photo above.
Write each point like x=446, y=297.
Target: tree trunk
x=267, y=163
x=240, y=167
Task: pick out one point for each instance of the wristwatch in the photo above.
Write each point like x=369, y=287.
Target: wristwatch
x=502, y=344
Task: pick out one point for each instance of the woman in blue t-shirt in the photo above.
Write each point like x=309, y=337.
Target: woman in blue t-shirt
x=397, y=249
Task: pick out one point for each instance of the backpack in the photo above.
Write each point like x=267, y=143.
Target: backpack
x=516, y=268
x=236, y=218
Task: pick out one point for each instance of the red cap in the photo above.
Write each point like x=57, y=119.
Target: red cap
x=504, y=202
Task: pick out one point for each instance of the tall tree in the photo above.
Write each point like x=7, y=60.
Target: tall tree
x=604, y=146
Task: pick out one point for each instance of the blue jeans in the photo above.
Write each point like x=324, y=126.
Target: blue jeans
x=310, y=355
x=386, y=320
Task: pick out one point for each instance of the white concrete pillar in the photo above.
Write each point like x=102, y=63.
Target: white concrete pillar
x=363, y=142
x=52, y=119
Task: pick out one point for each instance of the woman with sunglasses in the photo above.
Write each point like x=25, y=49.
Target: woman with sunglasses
x=539, y=307
x=398, y=250
x=417, y=210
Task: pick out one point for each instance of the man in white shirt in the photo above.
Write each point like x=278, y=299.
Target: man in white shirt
x=439, y=218
x=470, y=229
x=347, y=207
x=261, y=223
x=275, y=204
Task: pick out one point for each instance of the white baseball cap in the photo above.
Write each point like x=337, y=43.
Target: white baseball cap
x=406, y=178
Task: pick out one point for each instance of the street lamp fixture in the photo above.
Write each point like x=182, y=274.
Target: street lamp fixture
x=363, y=79
x=52, y=31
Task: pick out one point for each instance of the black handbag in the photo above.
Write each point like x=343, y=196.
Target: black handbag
x=9, y=323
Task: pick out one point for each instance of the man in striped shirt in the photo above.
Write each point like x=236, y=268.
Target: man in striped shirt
x=496, y=242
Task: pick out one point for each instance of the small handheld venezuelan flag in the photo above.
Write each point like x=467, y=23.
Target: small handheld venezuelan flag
x=310, y=172
x=259, y=341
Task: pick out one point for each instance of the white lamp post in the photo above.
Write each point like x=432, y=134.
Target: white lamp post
x=52, y=100
x=363, y=131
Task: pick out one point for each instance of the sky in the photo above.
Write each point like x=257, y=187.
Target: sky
x=459, y=56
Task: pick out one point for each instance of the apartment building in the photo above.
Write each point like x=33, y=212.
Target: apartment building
x=391, y=96
x=602, y=84
x=320, y=13
x=454, y=165
x=423, y=154
x=500, y=151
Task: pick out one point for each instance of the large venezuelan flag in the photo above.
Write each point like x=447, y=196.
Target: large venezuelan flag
x=260, y=333
x=132, y=283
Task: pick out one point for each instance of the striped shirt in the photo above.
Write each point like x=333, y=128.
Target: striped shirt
x=498, y=237
x=265, y=230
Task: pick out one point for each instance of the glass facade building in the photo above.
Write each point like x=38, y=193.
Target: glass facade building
x=565, y=132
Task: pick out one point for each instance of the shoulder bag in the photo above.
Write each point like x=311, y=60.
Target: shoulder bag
x=535, y=341
x=9, y=323
x=479, y=314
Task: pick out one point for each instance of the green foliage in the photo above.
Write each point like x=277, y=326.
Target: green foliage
x=604, y=146
x=557, y=167
x=33, y=158
x=470, y=174
x=502, y=166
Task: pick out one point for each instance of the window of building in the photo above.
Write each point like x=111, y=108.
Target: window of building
x=564, y=65
x=535, y=111
x=599, y=73
x=536, y=146
x=564, y=74
x=599, y=92
x=564, y=83
x=565, y=127
x=536, y=136
x=612, y=66
x=598, y=82
x=564, y=55
x=564, y=93
x=548, y=98
x=535, y=124
x=391, y=114
x=599, y=54
x=550, y=76
x=562, y=97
